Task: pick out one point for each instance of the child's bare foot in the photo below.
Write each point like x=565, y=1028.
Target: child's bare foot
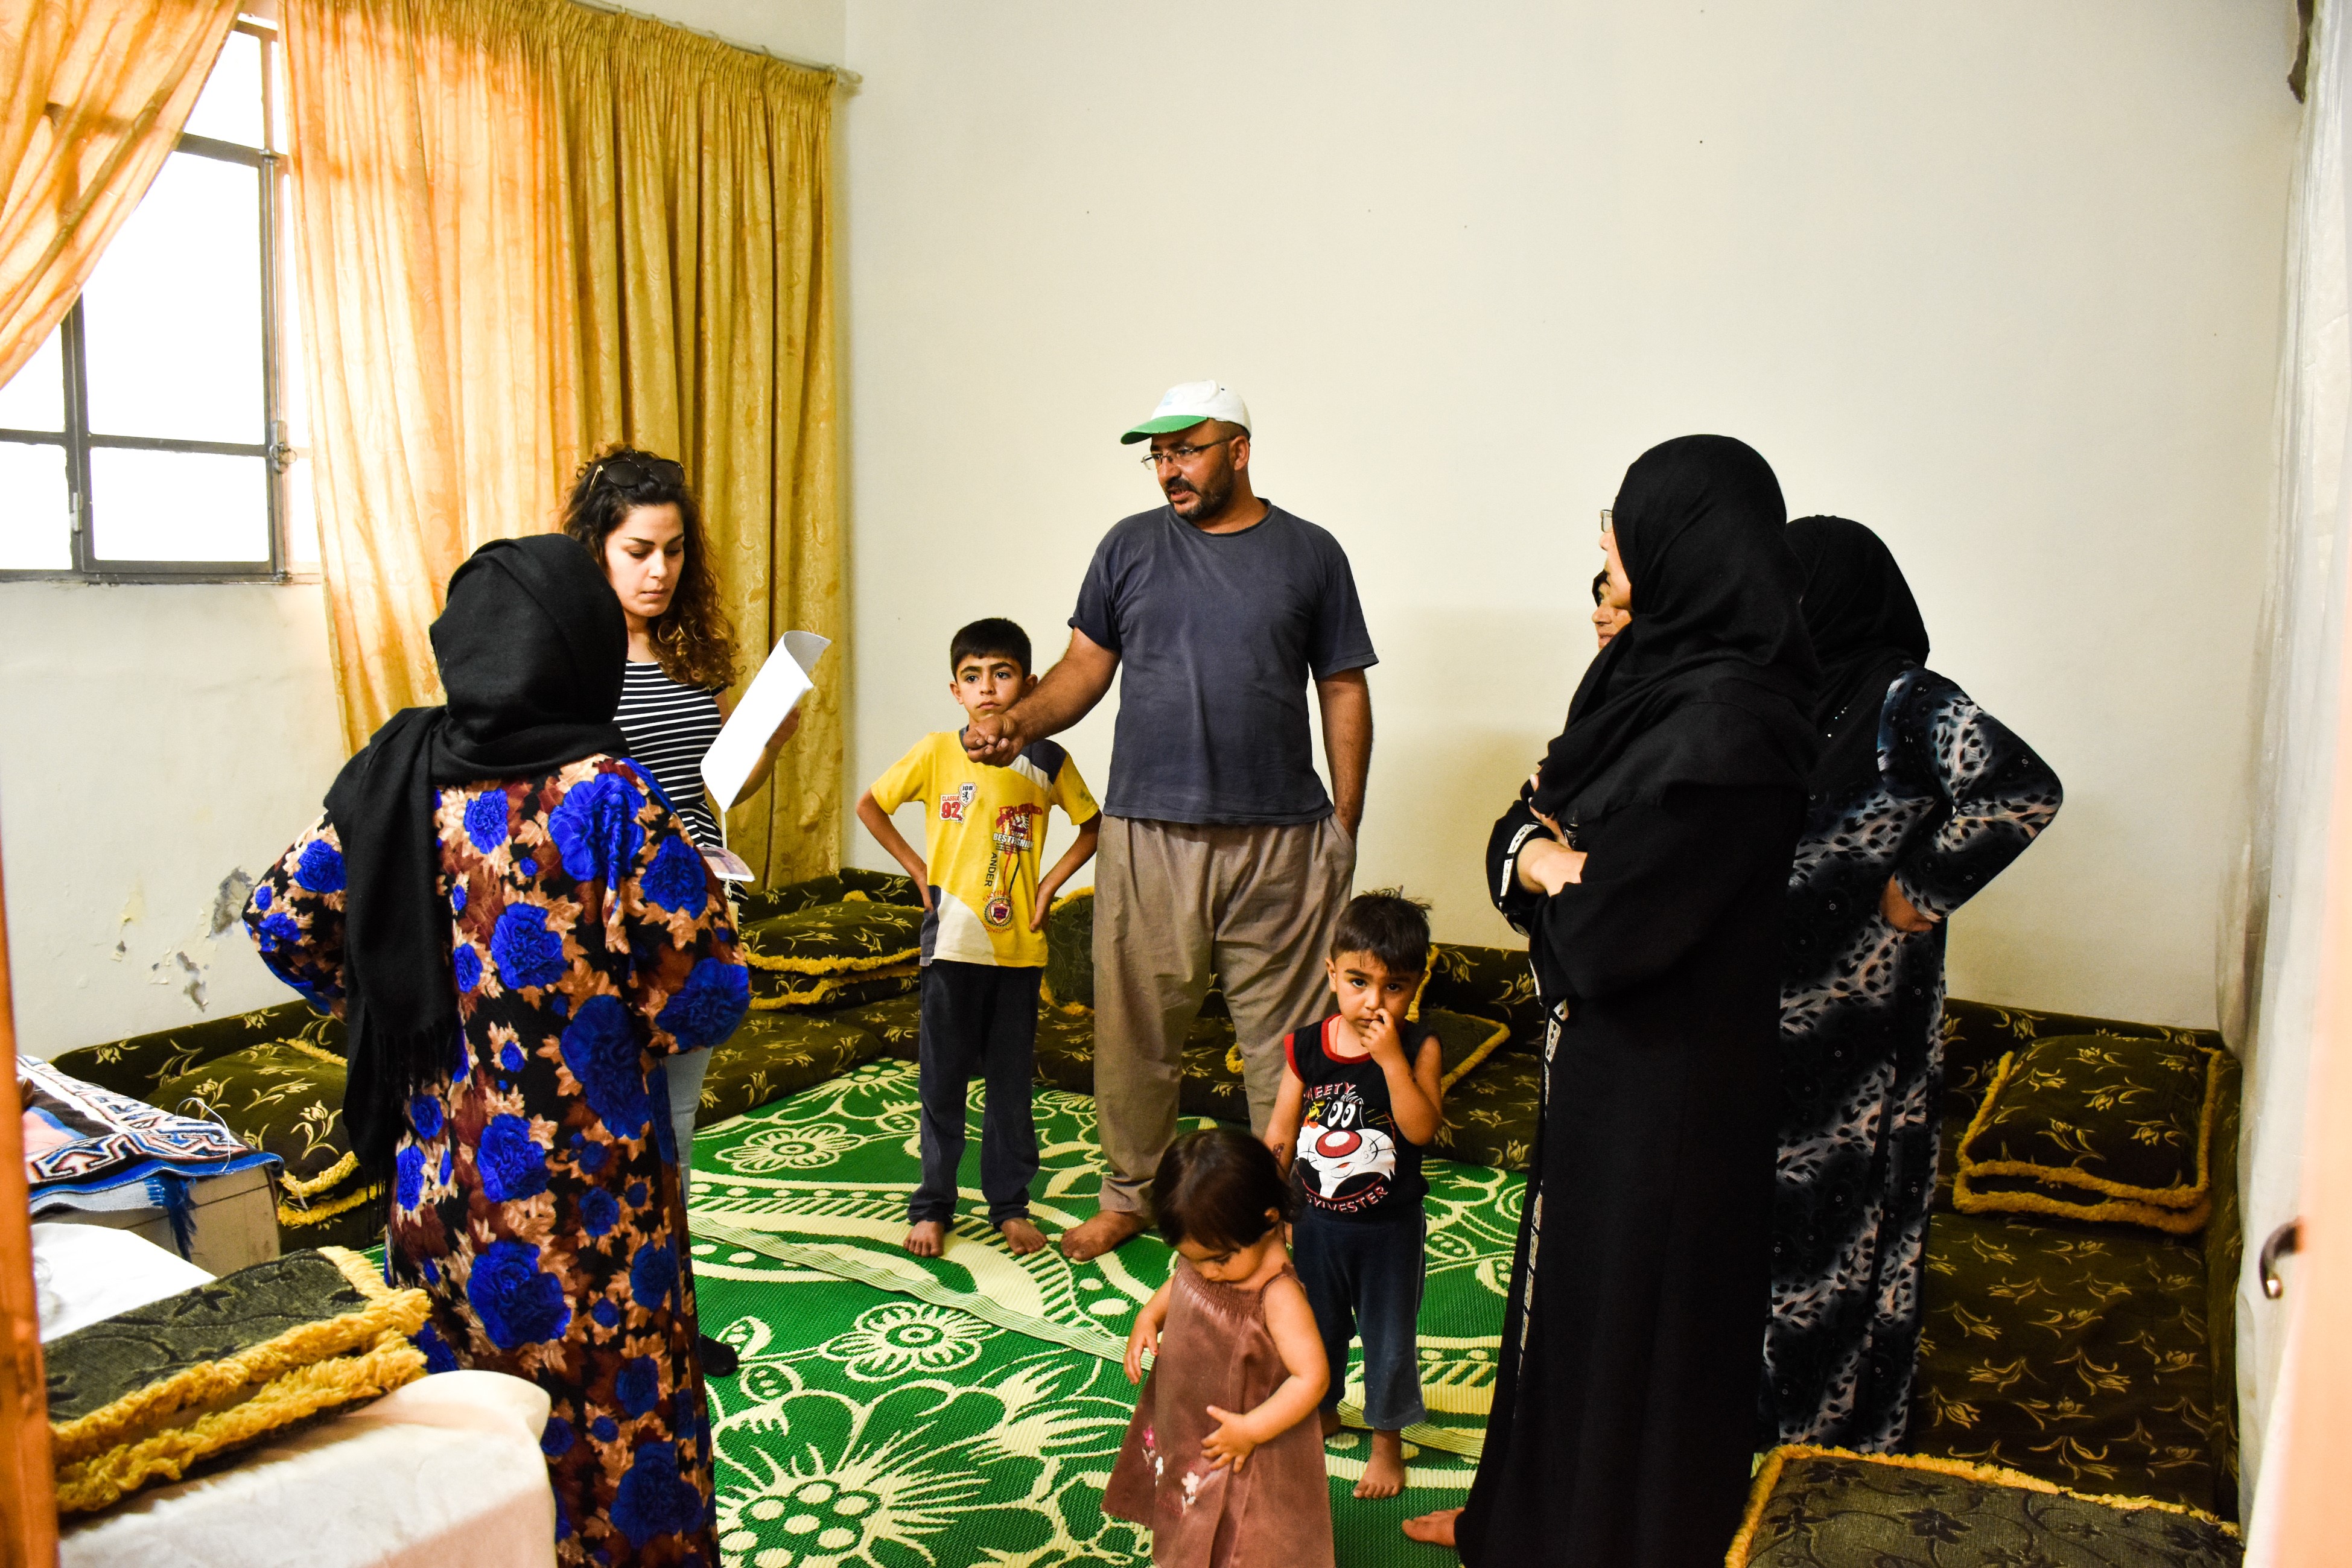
x=1107, y=1229
x=1020, y=1237
x=928, y=1239
x=1330, y=1423
x=1437, y=1529
x=1384, y=1475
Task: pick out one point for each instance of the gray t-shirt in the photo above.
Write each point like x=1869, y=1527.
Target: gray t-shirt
x=1217, y=634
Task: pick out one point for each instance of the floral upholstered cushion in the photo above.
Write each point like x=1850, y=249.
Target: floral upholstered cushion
x=1070, y=950
x=770, y=993
x=1487, y=982
x=851, y=884
x=2077, y=1352
x=773, y=1054
x=138, y=1398
x=1491, y=1113
x=286, y=1098
x=852, y=937
x=136, y=1066
x=1823, y=1508
x=1977, y=1035
x=2093, y=1127
x=897, y=1021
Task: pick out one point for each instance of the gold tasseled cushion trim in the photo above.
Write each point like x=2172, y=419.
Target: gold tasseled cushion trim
x=1768, y=1476
x=318, y=1052
x=852, y=964
x=2175, y=1210
x=398, y=1313
x=313, y=1214
x=94, y=1482
x=297, y=1187
x=822, y=989
x=1428, y=968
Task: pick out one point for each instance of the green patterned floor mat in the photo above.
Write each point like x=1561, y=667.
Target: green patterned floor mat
x=866, y=1429
x=819, y=1182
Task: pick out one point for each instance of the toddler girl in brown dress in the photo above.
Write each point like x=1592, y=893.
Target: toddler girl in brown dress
x=1221, y=1460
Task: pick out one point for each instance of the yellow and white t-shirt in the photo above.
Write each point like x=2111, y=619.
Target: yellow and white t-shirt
x=982, y=826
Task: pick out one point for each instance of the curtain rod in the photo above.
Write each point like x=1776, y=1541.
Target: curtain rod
x=843, y=76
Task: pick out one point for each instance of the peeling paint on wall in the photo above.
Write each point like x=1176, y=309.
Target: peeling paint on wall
x=185, y=966
x=228, y=904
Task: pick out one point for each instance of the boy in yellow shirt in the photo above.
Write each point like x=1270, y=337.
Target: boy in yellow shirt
x=983, y=930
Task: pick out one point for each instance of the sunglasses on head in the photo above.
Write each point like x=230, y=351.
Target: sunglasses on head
x=635, y=473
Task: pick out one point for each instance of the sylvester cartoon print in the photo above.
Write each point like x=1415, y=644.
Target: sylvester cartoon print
x=1350, y=1162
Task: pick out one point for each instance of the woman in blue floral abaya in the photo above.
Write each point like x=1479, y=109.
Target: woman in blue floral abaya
x=517, y=932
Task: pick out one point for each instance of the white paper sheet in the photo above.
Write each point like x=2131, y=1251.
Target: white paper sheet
x=775, y=691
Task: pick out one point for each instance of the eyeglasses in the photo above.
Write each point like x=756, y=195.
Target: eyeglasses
x=1181, y=453
x=635, y=473
x=1608, y=520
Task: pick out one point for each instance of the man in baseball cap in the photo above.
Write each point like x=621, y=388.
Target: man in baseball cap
x=1186, y=405
x=1221, y=853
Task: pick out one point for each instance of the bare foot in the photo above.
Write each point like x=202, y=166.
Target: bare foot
x=928, y=1239
x=1437, y=1529
x=1330, y=1423
x=1020, y=1237
x=1384, y=1475
x=1107, y=1229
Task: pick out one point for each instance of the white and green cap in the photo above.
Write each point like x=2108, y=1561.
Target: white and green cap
x=1184, y=406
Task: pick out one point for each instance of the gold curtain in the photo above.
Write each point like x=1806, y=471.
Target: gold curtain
x=95, y=94
x=524, y=230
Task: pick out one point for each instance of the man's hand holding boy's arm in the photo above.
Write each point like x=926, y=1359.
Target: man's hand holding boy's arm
x=886, y=833
x=1068, y=693
x=1080, y=851
x=1411, y=1101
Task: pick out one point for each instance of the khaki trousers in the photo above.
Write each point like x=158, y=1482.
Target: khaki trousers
x=1176, y=903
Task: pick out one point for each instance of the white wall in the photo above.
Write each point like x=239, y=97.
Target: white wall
x=155, y=741
x=2001, y=279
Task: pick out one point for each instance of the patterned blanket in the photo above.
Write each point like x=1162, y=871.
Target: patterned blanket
x=819, y=1182
x=79, y=1138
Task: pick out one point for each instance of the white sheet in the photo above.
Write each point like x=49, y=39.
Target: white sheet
x=84, y=1274
x=444, y=1473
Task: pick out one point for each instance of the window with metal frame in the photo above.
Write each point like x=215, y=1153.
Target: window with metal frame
x=154, y=436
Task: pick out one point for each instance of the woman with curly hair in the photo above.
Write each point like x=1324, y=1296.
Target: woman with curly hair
x=637, y=516
x=516, y=932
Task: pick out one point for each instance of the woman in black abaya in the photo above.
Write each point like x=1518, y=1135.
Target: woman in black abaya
x=1648, y=862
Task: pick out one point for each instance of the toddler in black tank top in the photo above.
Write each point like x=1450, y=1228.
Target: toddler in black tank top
x=1360, y=1099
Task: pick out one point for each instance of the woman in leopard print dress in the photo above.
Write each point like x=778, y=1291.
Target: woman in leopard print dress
x=1920, y=799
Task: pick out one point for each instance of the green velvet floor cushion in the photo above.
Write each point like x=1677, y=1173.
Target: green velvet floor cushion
x=286, y=1098
x=138, y=1398
x=833, y=955
x=897, y=1021
x=1490, y=1113
x=1977, y=1035
x=1824, y=1508
x=2091, y=1127
x=850, y=883
x=776, y=1053
x=1066, y=1049
x=137, y=1065
x=1070, y=950
x=2076, y=1352
x=1487, y=982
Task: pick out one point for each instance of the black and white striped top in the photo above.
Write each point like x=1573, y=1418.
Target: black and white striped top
x=668, y=727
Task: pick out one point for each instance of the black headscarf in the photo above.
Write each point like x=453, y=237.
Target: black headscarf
x=1712, y=682
x=531, y=646
x=1866, y=631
